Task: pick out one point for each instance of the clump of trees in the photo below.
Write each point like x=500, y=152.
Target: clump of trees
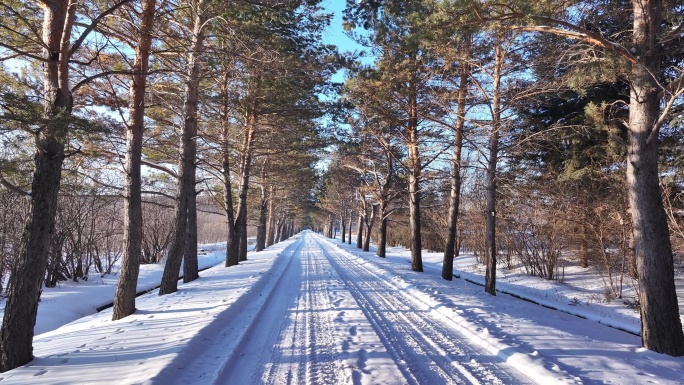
x=533, y=134
x=526, y=133
x=121, y=120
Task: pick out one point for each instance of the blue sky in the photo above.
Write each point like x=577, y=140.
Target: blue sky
x=335, y=33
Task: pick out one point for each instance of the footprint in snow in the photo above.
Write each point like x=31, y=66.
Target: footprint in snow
x=352, y=330
x=40, y=373
x=363, y=357
x=65, y=360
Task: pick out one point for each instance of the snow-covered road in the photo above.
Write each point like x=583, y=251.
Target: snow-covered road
x=311, y=310
x=333, y=319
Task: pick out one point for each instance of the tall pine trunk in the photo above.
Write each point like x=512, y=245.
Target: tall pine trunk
x=343, y=220
x=263, y=219
x=279, y=231
x=414, y=183
x=661, y=327
x=126, y=288
x=231, y=239
x=245, y=167
x=190, y=262
x=369, y=227
x=270, y=235
x=26, y=277
x=490, y=214
x=186, y=167
x=329, y=227
x=381, y=250
x=455, y=196
x=283, y=231
x=359, y=232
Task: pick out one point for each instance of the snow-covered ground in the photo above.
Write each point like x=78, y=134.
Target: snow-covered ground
x=71, y=300
x=313, y=311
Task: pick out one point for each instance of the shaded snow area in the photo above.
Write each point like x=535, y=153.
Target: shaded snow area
x=313, y=311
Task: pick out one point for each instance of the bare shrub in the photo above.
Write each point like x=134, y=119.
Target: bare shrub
x=610, y=231
x=13, y=210
x=472, y=228
x=534, y=234
x=87, y=237
x=158, y=219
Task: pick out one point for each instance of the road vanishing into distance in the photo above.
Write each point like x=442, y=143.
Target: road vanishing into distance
x=332, y=318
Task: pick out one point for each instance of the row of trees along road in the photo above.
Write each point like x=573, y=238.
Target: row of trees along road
x=527, y=131
x=179, y=107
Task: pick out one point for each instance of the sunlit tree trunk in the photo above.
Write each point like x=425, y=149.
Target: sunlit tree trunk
x=231, y=240
x=359, y=232
x=414, y=182
x=263, y=221
x=26, y=277
x=245, y=168
x=343, y=220
x=455, y=196
x=186, y=169
x=270, y=237
x=661, y=327
x=381, y=251
x=190, y=262
x=126, y=288
x=369, y=227
x=490, y=226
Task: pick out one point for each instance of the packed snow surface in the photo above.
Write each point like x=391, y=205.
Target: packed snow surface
x=314, y=311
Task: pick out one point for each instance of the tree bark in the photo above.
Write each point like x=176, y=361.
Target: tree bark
x=455, y=196
x=661, y=327
x=283, y=231
x=381, y=249
x=279, y=230
x=359, y=232
x=186, y=168
x=190, y=262
x=126, y=288
x=490, y=226
x=231, y=244
x=270, y=237
x=263, y=218
x=26, y=277
x=369, y=227
x=414, y=183
x=245, y=167
x=329, y=227
x=343, y=220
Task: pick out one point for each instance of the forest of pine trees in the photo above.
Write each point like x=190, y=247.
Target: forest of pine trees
x=530, y=134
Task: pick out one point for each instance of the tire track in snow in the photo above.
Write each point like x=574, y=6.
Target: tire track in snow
x=292, y=340
x=322, y=362
x=427, y=350
x=308, y=339
x=242, y=365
